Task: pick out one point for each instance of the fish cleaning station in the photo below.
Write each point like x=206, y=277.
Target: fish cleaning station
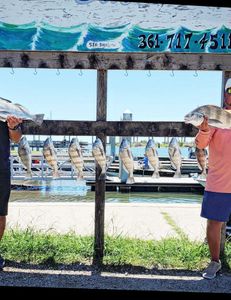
x=144, y=49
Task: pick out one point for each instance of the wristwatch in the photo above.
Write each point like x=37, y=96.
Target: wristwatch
x=15, y=127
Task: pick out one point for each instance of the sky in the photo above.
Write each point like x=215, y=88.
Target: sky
x=148, y=95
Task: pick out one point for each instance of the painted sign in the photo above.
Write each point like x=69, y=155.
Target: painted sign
x=112, y=26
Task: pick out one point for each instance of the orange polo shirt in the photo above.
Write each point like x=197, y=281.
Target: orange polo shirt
x=219, y=161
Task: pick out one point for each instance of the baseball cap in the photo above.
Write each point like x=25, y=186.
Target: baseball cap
x=228, y=84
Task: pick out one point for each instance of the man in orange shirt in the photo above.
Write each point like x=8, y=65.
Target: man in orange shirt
x=216, y=205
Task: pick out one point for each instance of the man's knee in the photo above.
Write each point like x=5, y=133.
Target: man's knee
x=214, y=224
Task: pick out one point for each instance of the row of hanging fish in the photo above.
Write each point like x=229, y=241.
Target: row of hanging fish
x=151, y=153
x=125, y=154
x=74, y=152
x=50, y=155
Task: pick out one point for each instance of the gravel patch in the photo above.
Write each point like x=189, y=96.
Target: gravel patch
x=126, y=279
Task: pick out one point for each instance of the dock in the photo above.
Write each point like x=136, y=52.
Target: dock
x=149, y=184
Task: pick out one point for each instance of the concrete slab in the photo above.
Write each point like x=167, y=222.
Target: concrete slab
x=144, y=221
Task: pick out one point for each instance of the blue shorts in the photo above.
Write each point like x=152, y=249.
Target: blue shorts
x=216, y=206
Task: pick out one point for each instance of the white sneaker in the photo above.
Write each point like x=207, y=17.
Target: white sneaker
x=211, y=271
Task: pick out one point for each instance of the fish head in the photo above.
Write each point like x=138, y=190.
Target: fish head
x=74, y=140
x=173, y=142
x=150, y=144
x=124, y=145
x=194, y=118
x=23, y=144
x=23, y=141
x=74, y=143
x=97, y=144
x=48, y=143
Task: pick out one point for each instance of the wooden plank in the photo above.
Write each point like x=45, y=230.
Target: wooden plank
x=110, y=128
x=113, y=61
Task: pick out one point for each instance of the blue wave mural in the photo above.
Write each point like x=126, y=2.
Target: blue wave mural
x=126, y=38
x=118, y=26
x=14, y=37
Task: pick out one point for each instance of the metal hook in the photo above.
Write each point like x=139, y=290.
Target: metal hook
x=172, y=74
x=149, y=73
x=80, y=72
x=195, y=74
x=12, y=71
x=35, y=72
x=58, y=72
x=126, y=73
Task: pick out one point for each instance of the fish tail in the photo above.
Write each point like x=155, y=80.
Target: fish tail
x=202, y=175
x=56, y=174
x=38, y=119
x=177, y=174
x=28, y=174
x=102, y=175
x=130, y=180
x=80, y=176
x=155, y=174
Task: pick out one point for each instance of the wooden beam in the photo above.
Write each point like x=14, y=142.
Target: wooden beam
x=110, y=128
x=115, y=60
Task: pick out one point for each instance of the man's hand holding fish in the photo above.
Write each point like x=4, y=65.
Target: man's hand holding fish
x=204, y=125
x=13, y=122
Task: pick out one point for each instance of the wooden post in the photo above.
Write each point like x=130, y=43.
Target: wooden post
x=100, y=184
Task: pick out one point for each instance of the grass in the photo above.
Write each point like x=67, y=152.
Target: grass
x=36, y=247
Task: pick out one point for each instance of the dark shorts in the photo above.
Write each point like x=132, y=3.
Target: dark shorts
x=216, y=206
x=5, y=188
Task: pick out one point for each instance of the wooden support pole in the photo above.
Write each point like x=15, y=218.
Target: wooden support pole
x=100, y=184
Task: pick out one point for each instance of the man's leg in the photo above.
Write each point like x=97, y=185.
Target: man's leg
x=214, y=238
x=2, y=229
x=2, y=226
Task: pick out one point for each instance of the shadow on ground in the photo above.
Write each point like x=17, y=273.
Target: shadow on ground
x=123, y=278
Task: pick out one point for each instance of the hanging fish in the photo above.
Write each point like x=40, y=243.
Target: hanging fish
x=201, y=155
x=50, y=155
x=76, y=156
x=24, y=153
x=127, y=159
x=100, y=157
x=152, y=155
x=175, y=156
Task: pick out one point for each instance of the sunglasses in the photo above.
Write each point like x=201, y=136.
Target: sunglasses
x=228, y=91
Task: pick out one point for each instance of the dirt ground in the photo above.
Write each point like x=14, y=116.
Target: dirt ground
x=83, y=277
